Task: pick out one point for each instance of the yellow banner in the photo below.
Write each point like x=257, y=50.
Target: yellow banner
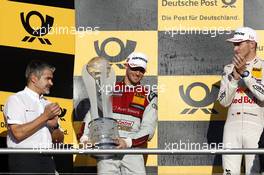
x=37, y=27
x=152, y=160
x=65, y=119
x=189, y=98
x=199, y=14
x=4, y=96
x=189, y=170
x=260, y=49
x=116, y=46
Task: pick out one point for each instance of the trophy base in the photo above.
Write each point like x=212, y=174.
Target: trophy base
x=105, y=146
x=103, y=133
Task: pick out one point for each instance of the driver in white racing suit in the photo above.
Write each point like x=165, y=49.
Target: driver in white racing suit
x=242, y=90
x=135, y=109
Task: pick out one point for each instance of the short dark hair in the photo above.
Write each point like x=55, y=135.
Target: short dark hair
x=36, y=67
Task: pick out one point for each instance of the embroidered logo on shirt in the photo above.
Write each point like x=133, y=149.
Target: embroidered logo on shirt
x=138, y=99
x=125, y=125
x=257, y=72
x=30, y=110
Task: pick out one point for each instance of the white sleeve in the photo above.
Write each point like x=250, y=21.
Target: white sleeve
x=85, y=134
x=14, y=111
x=256, y=86
x=148, y=124
x=228, y=87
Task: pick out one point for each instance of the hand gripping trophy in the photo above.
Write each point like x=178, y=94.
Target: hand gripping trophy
x=99, y=79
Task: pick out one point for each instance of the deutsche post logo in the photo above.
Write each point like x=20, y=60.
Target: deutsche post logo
x=228, y=3
x=125, y=50
x=63, y=113
x=210, y=97
x=41, y=31
x=1, y=108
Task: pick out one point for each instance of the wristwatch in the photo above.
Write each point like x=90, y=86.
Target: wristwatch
x=245, y=74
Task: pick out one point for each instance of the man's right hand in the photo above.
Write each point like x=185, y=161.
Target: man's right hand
x=52, y=110
x=240, y=63
x=121, y=143
x=235, y=74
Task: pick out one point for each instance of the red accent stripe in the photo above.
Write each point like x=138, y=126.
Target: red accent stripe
x=139, y=141
x=79, y=135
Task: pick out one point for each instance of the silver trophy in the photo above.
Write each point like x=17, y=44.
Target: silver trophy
x=99, y=79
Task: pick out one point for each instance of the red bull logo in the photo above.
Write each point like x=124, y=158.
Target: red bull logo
x=244, y=99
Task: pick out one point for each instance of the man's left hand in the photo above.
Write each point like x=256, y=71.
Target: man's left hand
x=52, y=123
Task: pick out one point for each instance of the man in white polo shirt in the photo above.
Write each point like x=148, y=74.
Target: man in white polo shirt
x=30, y=117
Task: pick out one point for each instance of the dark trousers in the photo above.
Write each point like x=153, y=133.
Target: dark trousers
x=31, y=163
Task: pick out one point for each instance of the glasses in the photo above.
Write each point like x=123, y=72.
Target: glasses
x=140, y=69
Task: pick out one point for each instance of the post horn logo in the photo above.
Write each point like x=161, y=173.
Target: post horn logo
x=209, y=98
x=228, y=3
x=41, y=31
x=1, y=108
x=63, y=113
x=125, y=50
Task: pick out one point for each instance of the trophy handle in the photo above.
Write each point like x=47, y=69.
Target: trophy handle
x=90, y=86
x=100, y=93
x=108, y=84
